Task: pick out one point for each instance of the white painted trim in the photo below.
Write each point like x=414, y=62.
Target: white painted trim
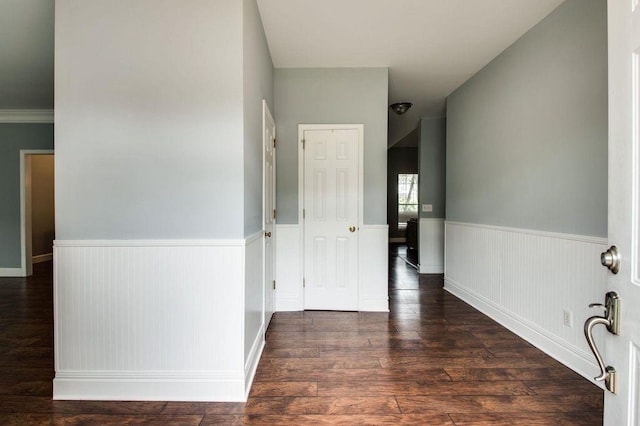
x=288, y=225
x=379, y=227
x=251, y=366
x=548, y=234
x=155, y=386
x=374, y=305
x=240, y=242
x=26, y=116
x=301, y=129
x=288, y=305
x=11, y=272
x=571, y=356
x=251, y=238
x=42, y=258
x=25, y=255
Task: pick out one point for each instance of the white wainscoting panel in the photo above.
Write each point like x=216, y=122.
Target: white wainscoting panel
x=431, y=249
x=151, y=320
x=288, y=268
x=525, y=279
x=373, y=277
x=253, y=305
x=373, y=272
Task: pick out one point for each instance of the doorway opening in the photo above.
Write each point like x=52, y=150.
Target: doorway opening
x=37, y=217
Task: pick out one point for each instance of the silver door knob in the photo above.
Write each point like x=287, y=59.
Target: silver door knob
x=611, y=259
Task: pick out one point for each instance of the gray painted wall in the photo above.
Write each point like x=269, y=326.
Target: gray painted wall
x=527, y=135
x=400, y=160
x=149, y=119
x=13, y=138
x=26, y=68
x=42, y=206
x=258, y=85
x=432, y=166
x=332, y=96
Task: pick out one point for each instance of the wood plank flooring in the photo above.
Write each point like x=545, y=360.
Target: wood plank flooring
x=433, y=360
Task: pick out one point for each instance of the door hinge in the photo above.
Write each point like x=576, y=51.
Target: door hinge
x=303, y=213
x=274, y=284
x=303, y=283
x=303, y=142
x=274, y=214
x=274, y=142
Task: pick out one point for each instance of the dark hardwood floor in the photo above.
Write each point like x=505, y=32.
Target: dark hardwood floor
x=432, y=360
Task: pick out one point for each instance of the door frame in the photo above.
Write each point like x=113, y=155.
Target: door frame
x=26, y=257
x=301, y=129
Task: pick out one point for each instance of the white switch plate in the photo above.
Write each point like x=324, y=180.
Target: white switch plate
x=426, y=208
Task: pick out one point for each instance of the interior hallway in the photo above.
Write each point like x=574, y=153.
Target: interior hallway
x=432, y=360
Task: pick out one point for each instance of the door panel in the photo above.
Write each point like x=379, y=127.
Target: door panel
x=269, y=213
x=621, y=352
x=331, y=197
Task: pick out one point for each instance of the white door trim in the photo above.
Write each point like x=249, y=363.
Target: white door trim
x=26, y=261
x=301, y=129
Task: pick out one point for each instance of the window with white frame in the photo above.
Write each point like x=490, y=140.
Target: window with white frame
x=407, y=198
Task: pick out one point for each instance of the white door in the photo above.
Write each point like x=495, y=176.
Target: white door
x=623, y=351
x=331, y=201
x=269, y=211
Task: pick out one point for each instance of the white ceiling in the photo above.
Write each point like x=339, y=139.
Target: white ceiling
x=431, y=47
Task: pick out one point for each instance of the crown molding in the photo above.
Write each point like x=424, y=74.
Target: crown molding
x=26, y=116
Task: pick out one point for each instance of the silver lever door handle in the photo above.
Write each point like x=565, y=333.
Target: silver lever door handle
x=610, y=320
x=588, y=333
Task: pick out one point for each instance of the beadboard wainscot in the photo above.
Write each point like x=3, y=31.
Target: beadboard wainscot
x=431, y=249
x=525, y=280
x=373, y=259
x=156, y=320
x=373, y=276
x=289, y=296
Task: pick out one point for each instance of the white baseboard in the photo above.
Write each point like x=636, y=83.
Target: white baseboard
x=253, y=359
x=374, y=305
x=288, y=305
x=42, y=258
x=153, y=386
x=12, y=272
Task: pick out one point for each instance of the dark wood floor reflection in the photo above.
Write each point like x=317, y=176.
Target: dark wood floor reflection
x=432, y=360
